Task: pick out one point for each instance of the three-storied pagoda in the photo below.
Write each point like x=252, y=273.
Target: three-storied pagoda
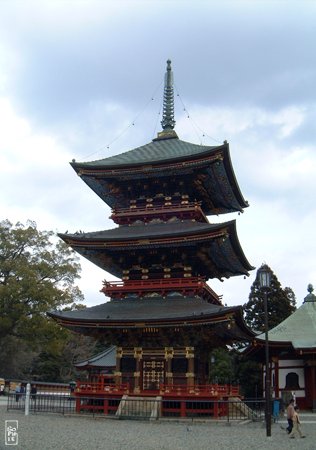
x=163, y=317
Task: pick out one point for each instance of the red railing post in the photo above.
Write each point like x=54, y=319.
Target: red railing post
x=78, y=404
x=215, y=410
x=182, y=408
x=106, y=406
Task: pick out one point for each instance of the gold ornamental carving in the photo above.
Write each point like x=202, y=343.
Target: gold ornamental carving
x=189, y=352
x=169, y=352
x=138, y=352
x=189, y=375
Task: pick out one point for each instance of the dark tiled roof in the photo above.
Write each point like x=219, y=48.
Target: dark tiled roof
x=126, y=232
x=223, y=255
x=146, y=308
x=155, y=151
x=166, y=159
x=107, y=358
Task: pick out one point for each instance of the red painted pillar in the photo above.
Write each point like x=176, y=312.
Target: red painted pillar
x=313, y=388
x=276, y=377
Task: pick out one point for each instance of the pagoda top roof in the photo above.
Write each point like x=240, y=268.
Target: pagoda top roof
x=160, y=150
x=166, y=147
x=167, y=158
x=206, y=170
x=299, y=329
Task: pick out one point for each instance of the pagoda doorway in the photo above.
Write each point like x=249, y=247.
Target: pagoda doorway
x=153, y=374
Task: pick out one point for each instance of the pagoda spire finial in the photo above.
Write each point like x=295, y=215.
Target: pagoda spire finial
x=168, y=121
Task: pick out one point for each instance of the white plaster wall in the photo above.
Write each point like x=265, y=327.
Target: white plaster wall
x=290, y=362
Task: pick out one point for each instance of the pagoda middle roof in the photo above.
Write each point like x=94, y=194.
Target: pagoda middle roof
x=126, y=232
x=224, y=253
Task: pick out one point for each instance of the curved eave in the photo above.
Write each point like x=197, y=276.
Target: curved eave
x=231, y=317
x=296, y=331
x=97, y=175
x=257, y=350
x=149, y=155
x=99, y=247
x=232, y=178
x=106, y=358
x=304, y=348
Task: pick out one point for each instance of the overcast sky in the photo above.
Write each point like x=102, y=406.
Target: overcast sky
x=84, y=80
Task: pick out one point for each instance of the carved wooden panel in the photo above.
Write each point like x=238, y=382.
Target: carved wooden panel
x=153, y=374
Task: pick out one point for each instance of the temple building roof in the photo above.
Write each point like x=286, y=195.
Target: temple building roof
x=213, y=250
x=299, y=329
x=107, y=358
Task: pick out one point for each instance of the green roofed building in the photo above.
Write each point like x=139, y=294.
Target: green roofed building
x=292, y=348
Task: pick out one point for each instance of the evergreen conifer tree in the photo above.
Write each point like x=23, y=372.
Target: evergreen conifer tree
x=280, y=302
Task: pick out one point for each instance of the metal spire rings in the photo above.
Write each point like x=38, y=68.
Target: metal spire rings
x=168, y=121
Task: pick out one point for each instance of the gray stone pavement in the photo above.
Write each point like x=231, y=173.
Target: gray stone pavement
x=56, y=432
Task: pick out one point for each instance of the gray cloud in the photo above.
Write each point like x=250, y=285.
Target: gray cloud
x=77, y=80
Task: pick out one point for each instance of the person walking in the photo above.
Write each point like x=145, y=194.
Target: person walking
x=33, y=392
x=296, y=424
x=289, y=415
x=17, y=392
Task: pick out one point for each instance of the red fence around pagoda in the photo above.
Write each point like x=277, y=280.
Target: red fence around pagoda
x=100, y=389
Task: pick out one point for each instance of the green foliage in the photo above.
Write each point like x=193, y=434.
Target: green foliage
x=227, y=366
x=222, y=366
x=249, y=375
x=60, y=352
x=280, y=304
x=37, y=274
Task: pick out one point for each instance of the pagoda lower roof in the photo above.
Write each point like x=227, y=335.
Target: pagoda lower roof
x=222, y=253
x=153, y=311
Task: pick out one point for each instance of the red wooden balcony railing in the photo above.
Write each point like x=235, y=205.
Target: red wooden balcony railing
x=193, y=285
x=206, y=390
x=164, y=211
x=86, y=388
x=216, y=391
